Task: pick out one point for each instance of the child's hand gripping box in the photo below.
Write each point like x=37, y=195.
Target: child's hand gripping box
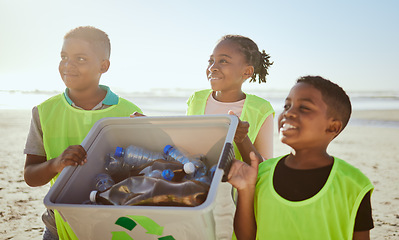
x=210, y=135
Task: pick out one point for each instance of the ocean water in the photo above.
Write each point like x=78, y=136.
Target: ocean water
x=171, y=102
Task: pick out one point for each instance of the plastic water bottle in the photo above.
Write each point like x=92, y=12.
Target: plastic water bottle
x=115, y=165
x=212, y=171
x=207, y=179
x=177, y=155
x=103, y=182
x=168, y=170
x=135, y=156
x=204, y=179
x=140, y=190
x=166, y=174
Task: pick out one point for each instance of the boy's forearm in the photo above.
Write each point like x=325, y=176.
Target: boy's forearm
x=244, y=219
x=245, y=147
x=361, y=235
x=39, y=171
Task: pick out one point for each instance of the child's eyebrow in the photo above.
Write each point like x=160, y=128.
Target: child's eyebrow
x=224, y=55
x=302, y=100
x=76, y=54
x=307, y=100
x=221, y=55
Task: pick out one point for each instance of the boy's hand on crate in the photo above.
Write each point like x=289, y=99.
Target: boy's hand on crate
x=72, y=156
x=137, y=114
x=243, y=176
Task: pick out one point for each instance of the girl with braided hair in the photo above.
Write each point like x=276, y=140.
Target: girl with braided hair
x=234, y=60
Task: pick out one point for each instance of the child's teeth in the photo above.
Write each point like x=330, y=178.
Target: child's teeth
x=287, y=126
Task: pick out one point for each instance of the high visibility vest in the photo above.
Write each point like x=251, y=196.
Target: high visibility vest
x=330, y=214
x=64, y=125
x=255, y=111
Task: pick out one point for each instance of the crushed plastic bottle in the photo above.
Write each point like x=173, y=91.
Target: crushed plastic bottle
x=175, y=154
x=116, y=167
x=168, y=170
x=207, y=179
x=204, y=179
x=166, y=174
x=103, y=182
x=135, y=156
x=141, y=190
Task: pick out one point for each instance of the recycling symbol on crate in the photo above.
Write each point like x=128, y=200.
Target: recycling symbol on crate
x=130, y=221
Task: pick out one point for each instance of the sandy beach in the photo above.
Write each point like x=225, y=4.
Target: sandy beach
x=371, y=148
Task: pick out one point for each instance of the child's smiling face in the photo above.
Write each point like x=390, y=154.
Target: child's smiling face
x=80, y=66
x=304, y=122
x=227, y=66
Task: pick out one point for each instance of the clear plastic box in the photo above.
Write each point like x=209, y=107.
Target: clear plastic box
x=211, y=135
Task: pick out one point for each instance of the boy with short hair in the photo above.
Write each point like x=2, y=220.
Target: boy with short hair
x=306, y=194
x=60, y=123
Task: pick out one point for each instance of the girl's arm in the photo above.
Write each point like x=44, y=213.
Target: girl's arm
x=243, y=178
x=263, y=145
x=264, y=139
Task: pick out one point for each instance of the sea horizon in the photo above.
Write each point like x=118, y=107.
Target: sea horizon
x=172, y=102
x=361, y=100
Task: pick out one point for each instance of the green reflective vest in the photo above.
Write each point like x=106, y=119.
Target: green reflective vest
x=64, y=125
x=255, y=111
x=330, y=214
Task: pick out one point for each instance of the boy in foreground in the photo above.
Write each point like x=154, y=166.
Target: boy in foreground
x=306, y=194
x=60, y=123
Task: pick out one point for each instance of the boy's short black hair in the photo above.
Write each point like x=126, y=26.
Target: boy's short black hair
x=94, y=36
x=338, y=102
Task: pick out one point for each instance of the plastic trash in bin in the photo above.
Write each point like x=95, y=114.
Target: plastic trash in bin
x=141, y=190
x=166, y=174
x=212, y=170
x=103, y=182
x=135, y=156
x=116, y=167
x=178, y=155
x=204, y=179
x=171, y=170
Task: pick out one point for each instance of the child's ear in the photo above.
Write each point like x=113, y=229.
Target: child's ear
x=249, y=70
x=335, y=127
x=105, y=65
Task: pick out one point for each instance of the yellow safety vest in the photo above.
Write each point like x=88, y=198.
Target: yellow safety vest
x=330, y=214
x=64, y=125
x=255, y=111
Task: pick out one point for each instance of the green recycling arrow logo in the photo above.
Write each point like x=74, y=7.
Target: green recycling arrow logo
x=130, y=221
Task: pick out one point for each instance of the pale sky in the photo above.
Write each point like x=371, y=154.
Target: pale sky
x=166, y=44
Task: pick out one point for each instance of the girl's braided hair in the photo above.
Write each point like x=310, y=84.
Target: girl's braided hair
x=259, y=60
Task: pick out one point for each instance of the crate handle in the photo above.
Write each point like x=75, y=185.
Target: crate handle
x=226, y=161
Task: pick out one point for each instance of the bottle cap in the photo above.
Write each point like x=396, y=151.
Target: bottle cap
x=118, y=151
x=93, y=195
x=167, y=149
x=168, y=174
x=189, y=168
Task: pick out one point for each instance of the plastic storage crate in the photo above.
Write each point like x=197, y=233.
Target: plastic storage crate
x=210, y=135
